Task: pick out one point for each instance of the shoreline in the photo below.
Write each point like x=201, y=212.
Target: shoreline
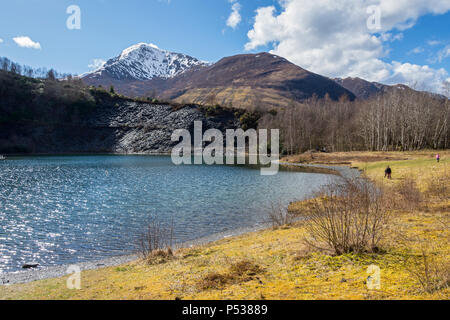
x=85, y=154
x=57, y=271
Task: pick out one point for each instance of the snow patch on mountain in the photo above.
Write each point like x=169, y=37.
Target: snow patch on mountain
x=145, y=61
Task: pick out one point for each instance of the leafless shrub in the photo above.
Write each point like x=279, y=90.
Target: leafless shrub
x=429, y=272
x=410, y=195
x=279, y=215
x=157, y=240
x=347, y=217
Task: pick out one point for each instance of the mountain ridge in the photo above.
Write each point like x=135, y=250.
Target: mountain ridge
x=365, y=90
x=145, y=62
x=244, y=81
x=241, y=81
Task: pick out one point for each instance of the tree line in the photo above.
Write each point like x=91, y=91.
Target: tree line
x=399, y=120
x=27, y=71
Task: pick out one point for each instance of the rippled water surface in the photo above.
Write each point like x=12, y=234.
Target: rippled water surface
x=61, y=210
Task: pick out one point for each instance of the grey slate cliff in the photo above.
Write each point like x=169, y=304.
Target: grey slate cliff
x=125, y=128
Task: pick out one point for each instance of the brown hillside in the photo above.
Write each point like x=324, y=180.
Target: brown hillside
x=243, y=81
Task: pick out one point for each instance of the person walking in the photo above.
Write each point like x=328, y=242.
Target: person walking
x=388, y=173
x=438, y=157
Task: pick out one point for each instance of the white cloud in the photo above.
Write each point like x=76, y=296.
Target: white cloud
x=440, y=55
x=235, y=17
x=96, y=64
x=417, y=50
x=26, y=42
x=444, y=53
x=332, y=37
x=1, y=40
x=391, y=37
x=434, y=43
x=422, y=77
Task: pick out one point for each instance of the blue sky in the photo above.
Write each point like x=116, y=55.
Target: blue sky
x=422, y=43
x=322, y=36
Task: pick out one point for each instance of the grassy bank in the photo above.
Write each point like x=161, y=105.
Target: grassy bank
x=277, y=264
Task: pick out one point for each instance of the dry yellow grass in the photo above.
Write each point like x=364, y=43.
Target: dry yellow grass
x=363, y=158
x=281, y=266
x=239, y=97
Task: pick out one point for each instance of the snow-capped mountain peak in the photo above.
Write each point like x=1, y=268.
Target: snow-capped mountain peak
x=145, y=61
x=140, y=46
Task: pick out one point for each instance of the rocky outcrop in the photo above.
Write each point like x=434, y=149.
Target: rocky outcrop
x=125, y=128
x=54, y=117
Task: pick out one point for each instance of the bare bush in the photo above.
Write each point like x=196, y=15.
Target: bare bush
x=279, y=215
x=157, y=239
x=347, y=217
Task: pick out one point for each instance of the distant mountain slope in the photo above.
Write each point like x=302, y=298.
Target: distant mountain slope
x=361, y=88
x=144, y=62
x=250, y=80
x=364, y=89
x=242, y=81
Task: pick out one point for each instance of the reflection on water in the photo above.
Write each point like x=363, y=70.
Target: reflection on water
x=60, y=210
